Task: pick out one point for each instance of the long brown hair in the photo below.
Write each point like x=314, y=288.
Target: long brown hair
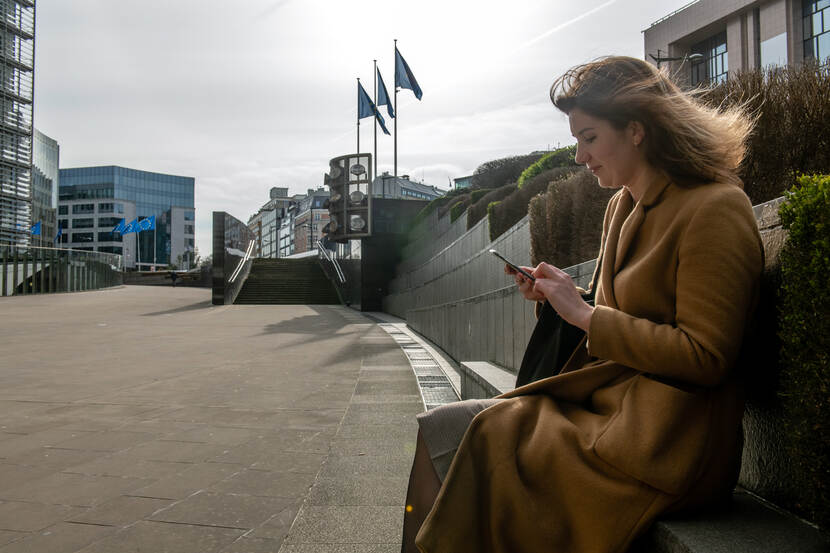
x=689, y=141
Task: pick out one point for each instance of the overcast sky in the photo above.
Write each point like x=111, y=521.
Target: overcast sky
x=252, y=94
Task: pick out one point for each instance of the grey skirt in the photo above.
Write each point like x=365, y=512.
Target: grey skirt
x=443, y=428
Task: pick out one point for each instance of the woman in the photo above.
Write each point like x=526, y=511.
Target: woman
x=645, y=417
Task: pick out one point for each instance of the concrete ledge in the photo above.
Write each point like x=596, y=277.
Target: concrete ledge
x=483, y=380
x=748, y=525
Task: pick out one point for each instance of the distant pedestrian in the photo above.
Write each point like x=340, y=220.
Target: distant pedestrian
x=174, y=276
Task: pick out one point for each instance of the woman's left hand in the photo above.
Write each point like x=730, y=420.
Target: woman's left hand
x=558, y=288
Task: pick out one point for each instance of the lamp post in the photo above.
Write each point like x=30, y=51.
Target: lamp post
x=691, y=57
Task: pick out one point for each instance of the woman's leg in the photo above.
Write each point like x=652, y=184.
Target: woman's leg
x=423, y=488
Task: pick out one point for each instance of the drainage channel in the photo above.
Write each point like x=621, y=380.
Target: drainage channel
x=436, y=388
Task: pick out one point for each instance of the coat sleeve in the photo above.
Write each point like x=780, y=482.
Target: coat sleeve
x=720, y=259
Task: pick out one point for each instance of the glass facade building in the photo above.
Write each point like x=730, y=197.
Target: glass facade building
x=103, y=195
x=45, y=163
x=17, y=61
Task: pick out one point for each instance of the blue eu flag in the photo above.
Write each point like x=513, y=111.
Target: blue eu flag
x=36, y=229
x=383, y=97
x=58, y=235
x=365, y=107
x=131, y=227
x=147, y=224
x=119, y=227
x=404, y=77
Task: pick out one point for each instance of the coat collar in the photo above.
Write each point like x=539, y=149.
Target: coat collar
x=626, y=221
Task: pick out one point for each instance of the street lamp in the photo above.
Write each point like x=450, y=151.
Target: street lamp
x=696, y=57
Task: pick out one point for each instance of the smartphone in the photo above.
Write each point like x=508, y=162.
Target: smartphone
x=513, y=265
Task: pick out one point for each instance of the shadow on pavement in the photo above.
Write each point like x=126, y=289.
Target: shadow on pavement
x=182, y=309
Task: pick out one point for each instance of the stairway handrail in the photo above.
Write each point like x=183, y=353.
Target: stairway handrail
x=321, y=250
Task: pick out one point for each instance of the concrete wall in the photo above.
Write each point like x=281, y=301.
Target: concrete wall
x=458, y=295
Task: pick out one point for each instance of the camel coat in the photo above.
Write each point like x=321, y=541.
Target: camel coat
x=645, y=417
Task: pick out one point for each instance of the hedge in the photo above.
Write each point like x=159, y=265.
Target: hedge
x=456, y=210
x=804, y=329
x=478, y=210
x=566, y=221
x=563, y=157
x=506, y=213
x=793, y=108
x=503, y=171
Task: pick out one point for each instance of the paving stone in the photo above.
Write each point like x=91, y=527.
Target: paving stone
x=121, y=511
x=54, y=459
x=158, y=537
x=388, y=464
x=253, y=545
x=215, y=435
x=35, y=441
x=227, y=510
x=189, y=481
x=31, y=517
x=387, y=398
x=266, y=483
x=112, y=440
x=185, y=452
x=277, y=526
x=15, y=475
x=291, y=461
x=73, y=489
x=63, y=537
x=8, y=536
x=398, y=446
x=124, y=464
x=383, y=387
x=346, y=524
x=393, y=432
x=341, y=548
x=356, y=490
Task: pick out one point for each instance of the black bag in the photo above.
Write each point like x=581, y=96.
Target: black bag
x=550, y=346
x=553, y=341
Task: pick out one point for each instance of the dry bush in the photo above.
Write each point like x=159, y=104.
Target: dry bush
x=566, y=222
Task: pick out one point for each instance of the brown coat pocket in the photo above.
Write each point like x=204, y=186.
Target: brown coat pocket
x=658, y=436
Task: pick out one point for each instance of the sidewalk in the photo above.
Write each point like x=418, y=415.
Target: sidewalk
x=145, y=419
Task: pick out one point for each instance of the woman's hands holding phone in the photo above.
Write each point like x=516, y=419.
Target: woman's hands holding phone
x=556, y=286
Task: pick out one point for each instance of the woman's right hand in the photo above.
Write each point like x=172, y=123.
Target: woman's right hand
x=525, y=284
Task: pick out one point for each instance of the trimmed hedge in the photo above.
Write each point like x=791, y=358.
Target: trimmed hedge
x=563, y=157
x=793, y=108
x=804, y=330
x=501, y=172
x=506, y=213
x=478, y=210
x=457, y=209
x=566, y=221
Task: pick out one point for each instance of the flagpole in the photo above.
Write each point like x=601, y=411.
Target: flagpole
x=396, y=105
x=358, y=115
x=154, y=246
x=376, y=119
x=137, y=251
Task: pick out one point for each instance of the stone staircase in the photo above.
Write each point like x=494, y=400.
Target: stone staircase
x=287, y=282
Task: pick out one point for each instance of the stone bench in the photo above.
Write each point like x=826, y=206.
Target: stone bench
x=748, y=525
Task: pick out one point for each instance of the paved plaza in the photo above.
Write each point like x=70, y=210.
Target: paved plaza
x=145, y=419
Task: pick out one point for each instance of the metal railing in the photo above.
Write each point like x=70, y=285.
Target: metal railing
x=38, y=270
x=233, y=243
x=325, y=256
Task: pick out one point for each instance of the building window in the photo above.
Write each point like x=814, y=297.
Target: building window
x=188, y=229
x=188, y=215
x=83, y=236
x=83, y=223
x=63, y=223
x=83, y=208
x=109, y=237
x=111, y=249
x=713, y=68
x=188, y=243
x=108, y=222
x=63, y=210
x=774, y=51
x=816, y=22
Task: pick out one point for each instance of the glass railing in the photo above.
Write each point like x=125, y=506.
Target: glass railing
x=40, y=270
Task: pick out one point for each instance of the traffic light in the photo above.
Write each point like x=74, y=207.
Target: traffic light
x=350, y=199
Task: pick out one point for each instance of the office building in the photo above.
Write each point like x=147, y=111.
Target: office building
x=708, y=40
x=310, y=214
x=266, y=222
x=389, y=187
x=94, y=199
x=17, y=63
x=45, y=163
